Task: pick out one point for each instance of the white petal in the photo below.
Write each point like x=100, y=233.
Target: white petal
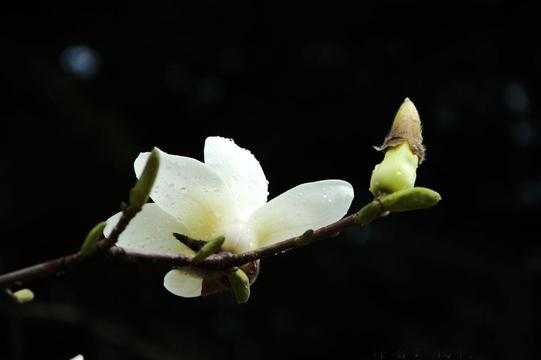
x=151, y=230
x=241, y=172
x=192, y=192
x=307, y=206
x=182, y=283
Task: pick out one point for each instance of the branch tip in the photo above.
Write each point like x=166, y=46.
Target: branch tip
x=193, y=244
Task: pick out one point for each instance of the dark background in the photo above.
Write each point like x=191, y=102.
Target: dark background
x=309, y=88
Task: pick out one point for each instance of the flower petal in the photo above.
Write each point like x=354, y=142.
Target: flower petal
x=191, y=192
x=151, y=230
x=182, y=283
x=307, y=206
x=240, y=171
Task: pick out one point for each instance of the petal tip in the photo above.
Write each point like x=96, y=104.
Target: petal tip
x=181, y=283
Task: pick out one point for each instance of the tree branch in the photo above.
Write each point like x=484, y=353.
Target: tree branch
x=219, y=261
x=65, y=263
x=226, y=260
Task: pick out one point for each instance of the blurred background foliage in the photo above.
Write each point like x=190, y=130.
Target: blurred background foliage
x=309, y=88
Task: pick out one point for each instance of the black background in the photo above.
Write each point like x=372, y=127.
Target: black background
x=308, y=88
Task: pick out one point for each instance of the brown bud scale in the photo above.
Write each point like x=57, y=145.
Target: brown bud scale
x=406, y=128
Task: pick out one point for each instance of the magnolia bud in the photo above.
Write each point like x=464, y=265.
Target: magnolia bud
x=396, y=172
x=406, y=128
x=403, y=148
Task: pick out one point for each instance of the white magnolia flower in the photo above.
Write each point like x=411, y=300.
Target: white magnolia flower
x=226, y=195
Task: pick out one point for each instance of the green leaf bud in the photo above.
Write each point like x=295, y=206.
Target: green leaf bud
x=92, y=238
x=209, y=248
x=141, y=191
x=368, y=213
x=410, y=199
x=240, y=284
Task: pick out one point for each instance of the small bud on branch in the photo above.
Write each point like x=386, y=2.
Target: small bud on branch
x=368, y=213
x=240, y=284
x=89, y=245
x=22, y=296
x=306, y=238
x=410, y=199
x=141, y=191
x=208, y=249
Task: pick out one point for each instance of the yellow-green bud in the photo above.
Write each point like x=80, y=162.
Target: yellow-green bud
x=410, y=199
x=240, y=284
x=208, y=249
x=23, y=296
x=92, y=238
x=368, y=213
x=141, y=191
x=396, y=172
x=404, y=150
x=406, y=128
